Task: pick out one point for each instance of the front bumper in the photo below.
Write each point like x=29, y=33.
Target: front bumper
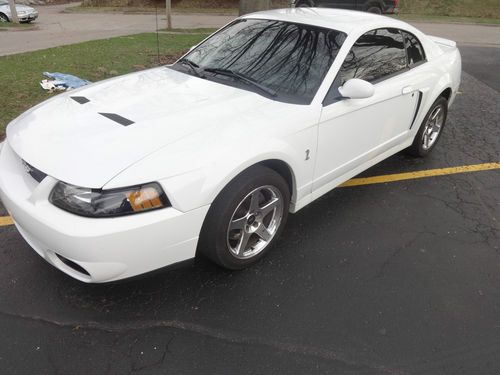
x=28, y=17
x=94, y=250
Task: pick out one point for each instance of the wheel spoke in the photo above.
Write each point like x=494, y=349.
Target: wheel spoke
x=426, y=139
x=238, y=224
x=263, y=233
x=245, y=236
x=254, y=202
x=438, y=111
x=436, y=127
x=269, y=207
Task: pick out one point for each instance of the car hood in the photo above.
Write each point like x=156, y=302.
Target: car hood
x=26, y=8
x=19, y=8
x=76, y=143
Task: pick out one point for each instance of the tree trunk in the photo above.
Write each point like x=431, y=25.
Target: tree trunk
x=168, y=10
x=249, y=6
x=13, y=12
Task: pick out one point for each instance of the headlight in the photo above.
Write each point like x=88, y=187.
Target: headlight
x=22, y=12
x=108, y=203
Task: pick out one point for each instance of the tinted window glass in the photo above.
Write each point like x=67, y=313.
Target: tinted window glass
x=375, y=55
x=414, y=49
x=291, y=59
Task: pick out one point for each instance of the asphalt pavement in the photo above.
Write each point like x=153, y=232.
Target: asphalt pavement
x=395, y=278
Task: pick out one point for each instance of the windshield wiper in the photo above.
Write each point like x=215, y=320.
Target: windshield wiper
x=195, y=68
x=241, y=77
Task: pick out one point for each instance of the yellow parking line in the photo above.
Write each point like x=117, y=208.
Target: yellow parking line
x=6, y=220
x=420, y=174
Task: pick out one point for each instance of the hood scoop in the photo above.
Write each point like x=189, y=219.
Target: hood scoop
x=117, y=118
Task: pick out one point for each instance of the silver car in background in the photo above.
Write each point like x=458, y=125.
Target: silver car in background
x=24, y=13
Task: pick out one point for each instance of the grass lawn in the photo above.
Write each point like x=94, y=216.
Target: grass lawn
x=19, y=26
x=20, y=74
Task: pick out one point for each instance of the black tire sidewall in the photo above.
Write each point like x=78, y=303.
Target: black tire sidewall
x=213, y=241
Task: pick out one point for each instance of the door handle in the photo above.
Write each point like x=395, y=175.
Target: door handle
x=407, y=90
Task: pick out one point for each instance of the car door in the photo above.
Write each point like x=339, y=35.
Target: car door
x=353, y=132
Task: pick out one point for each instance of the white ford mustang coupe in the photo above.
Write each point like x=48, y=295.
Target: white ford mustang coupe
x=209, y=155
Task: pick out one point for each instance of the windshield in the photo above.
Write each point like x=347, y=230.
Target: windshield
x=285, y=58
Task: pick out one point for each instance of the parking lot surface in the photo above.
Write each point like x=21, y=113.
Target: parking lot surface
x=387, y=278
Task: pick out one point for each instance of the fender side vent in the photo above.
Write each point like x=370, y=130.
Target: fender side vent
x=117, y=118
x=80, y=99
x=416, y=109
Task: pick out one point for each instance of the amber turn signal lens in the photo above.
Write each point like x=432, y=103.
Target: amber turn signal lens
x=145, y=199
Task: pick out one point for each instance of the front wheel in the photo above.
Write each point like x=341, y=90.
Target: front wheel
x=3, y=18
x=431, y=129
x=246, y=218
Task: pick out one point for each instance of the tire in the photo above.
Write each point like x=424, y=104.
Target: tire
x=374, y=9
x=4, y=18
x=431, y=129
x=240, y=227
x=305, y=4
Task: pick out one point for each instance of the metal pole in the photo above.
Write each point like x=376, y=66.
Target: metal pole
x=168, y=10
x=13, y=12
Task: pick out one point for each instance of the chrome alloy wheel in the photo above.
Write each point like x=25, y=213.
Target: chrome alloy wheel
x=255, y=222
x=433, y=128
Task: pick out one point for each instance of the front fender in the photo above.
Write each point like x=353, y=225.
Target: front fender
x=200, y=187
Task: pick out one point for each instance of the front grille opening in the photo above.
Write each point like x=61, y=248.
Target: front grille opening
x=73, y=265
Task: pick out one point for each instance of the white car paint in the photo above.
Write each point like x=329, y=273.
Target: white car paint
x=193, y=136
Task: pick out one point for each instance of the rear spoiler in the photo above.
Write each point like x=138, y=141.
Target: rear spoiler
x=443, y=41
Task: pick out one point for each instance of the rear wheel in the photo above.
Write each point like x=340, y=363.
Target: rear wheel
x=431, y=129
x=374, y=9
x=246, y=218
x=305, y=3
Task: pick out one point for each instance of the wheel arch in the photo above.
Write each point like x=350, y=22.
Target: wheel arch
x=284, y=170
x=6, y=16
x=446, y=93
x=278, y=165
x=374, y=3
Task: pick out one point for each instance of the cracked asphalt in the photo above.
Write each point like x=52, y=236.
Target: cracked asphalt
x=396, y=278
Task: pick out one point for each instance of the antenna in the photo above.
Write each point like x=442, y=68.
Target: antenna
x=157, y=36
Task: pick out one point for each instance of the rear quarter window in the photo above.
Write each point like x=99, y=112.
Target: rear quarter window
x=414, y=49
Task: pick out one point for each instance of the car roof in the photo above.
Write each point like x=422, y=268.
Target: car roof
x=347, y=21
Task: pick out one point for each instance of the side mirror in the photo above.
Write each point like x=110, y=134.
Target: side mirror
x=357, y=89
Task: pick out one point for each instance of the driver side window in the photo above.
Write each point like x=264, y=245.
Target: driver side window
x=376, y=55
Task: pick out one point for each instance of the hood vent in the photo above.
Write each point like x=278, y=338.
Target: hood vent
x=80, y=99
x=117, y=118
